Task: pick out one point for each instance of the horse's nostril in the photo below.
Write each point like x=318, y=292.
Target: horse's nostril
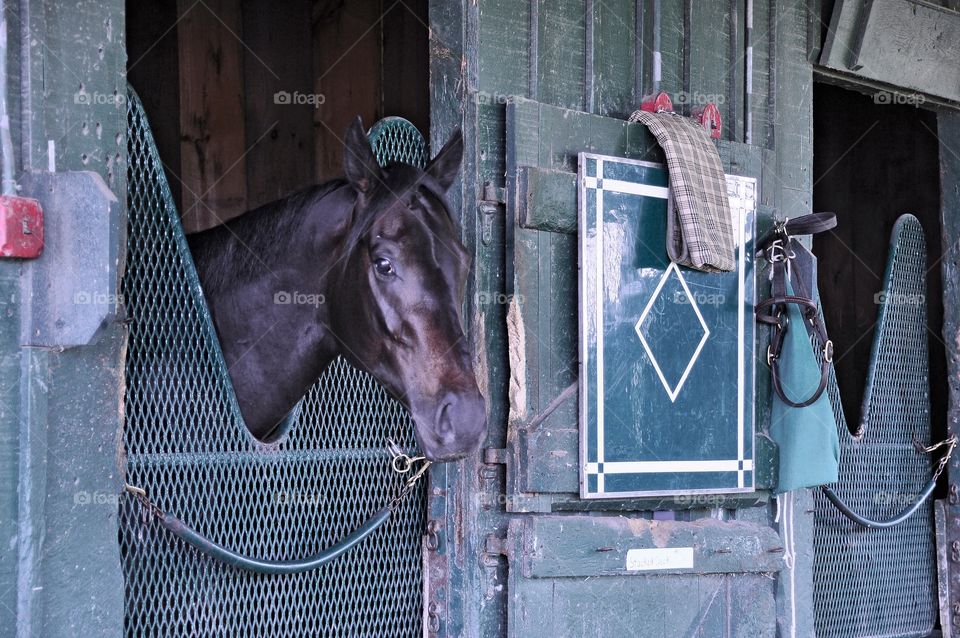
x=445, y=428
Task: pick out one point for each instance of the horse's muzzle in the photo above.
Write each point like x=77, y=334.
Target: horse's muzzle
x=459, y=427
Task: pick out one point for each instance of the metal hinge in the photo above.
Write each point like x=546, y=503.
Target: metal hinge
x=488, y=208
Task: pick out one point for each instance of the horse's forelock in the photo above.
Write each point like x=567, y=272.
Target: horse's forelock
x=423, y=189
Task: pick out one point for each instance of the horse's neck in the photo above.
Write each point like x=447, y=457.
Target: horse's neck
x=266, y=286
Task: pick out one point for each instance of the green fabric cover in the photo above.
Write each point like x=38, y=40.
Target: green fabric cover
x=807, y=437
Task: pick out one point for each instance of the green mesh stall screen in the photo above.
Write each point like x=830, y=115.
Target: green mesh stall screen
x=870, y=582
x=186, y=445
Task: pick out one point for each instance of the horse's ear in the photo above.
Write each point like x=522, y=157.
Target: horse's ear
x=359, y=164
x=445, y=166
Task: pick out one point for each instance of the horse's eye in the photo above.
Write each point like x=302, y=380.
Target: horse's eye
x=383, y=266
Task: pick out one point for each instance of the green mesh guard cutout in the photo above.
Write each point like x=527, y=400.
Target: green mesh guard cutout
x=870, y=582
x=186, y=445
x=395, y=139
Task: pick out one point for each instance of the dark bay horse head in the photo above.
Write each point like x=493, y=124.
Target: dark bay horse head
x=403, y=273
x=370, y=268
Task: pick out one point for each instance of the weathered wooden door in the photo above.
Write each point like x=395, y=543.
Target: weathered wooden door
x=539, y=83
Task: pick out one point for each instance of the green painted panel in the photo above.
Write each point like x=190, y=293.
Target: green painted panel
x=569, y=576
x=671, y=45
x=546, y=199
x=909, y=44
x=561, y=53
x=542, y=197
x=666, y=357
x=761, y=107
x=504, y=46
x=614, y=43
x=565, y=546
x=712, y=66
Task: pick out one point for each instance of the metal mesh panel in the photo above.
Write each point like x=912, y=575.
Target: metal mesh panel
x=882, y=582
x=187, y=446
x=398, y=140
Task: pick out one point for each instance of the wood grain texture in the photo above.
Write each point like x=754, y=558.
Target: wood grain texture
x=278, y=100
x=908, y=44
x=614, y=57
x=948, y=127
x=405, y=58
x=152, y=52
x=346, y=49
x=212, y=141
x=561, y=53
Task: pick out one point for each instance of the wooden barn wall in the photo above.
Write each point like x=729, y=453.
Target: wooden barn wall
x=61, y=407
x=583, y=66
x=249, y=99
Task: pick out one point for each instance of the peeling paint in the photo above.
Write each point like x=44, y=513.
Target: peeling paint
x=613, y=236
x=516, y=339
x=480, y=370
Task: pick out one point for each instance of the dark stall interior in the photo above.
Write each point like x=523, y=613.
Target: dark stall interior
x=874, y=159
x=249, y=99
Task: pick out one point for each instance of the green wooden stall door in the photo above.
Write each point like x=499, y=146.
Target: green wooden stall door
x=666, y=352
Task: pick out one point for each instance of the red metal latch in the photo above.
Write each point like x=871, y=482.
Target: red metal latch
x=21, y=227
x=657, y=103
x=709, y=117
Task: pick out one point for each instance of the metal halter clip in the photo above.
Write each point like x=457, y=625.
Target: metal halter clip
x=403, y=463
x=777, y=250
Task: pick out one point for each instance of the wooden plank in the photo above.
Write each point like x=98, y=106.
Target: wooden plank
x=491, y=151
x=405, y=63
x=505, y=48
x=913, y=45
x=346, y=63
x=567, y=546
x=948, y=132
x=683, y=605
x=278, y=101
x=561, y=59
x=152, y=52
x=671, y=47
x=60, y=412
x=761, y=108
x=547, y=199
x=614, y=57
x=711, y=67
x=212, y=142
x=550, y=137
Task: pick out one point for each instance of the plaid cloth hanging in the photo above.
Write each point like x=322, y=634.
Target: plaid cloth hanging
x=700, y=230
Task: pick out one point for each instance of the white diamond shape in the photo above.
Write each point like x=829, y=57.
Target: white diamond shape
x=675, y=391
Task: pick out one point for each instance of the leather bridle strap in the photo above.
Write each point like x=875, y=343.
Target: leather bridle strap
x=775, y=247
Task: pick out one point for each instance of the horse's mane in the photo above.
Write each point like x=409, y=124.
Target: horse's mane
x=247, y=246
x=255, y=240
